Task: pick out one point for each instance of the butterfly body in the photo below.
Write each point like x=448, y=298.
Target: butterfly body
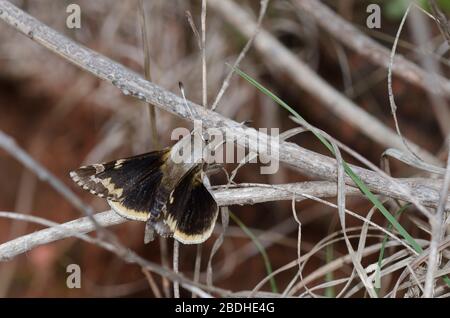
x=168, y=195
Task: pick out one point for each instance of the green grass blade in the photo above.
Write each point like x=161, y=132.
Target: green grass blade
x=260, y=248
x=356, y=179
x=347, y=168
x=386, y=237
x=329, y=291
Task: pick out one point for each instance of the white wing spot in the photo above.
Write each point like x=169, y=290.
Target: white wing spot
x=99, y=168
x=119, y=163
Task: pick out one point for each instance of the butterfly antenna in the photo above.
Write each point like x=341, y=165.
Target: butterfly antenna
x=190, y=109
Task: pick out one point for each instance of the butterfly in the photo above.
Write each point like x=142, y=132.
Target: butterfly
x=170, y=196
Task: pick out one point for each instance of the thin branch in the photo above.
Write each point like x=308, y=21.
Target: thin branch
x=422, y=33
x=194, y=29
x=224, y=197
x=390, y=90
x=198, y=264
x=10, y=146
x=441, y=19
x=163, y=247
x=335, y=264
x=366, y=162
x=225, y=215
x=55, y=232
x=262, y=12
x=147, y=71
x=152, y=121
x=417, y=261
x=152, y=283
x=176, y=262
x=203, y=49
x=437, y=231
x=78, y=228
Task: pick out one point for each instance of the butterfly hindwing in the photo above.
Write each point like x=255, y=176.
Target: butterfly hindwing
x=128, y=184
x=191, y=209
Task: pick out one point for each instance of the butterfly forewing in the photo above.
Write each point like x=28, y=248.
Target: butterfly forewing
x=129, y=184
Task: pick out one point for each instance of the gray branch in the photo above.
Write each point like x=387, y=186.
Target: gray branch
x=224, y=197
x=25, y=243
x=78, y=228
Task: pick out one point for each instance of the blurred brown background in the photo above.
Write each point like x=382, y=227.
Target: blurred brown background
x=65, y=117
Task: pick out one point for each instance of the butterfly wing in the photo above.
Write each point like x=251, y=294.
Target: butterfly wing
x=191, y=209
x=128, y=184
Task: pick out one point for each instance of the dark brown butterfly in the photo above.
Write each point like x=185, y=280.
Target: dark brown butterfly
x=170, y=197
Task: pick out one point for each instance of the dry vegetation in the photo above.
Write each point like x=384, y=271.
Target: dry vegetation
x=308, y=225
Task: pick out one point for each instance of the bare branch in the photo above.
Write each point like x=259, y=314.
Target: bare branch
x=203, y=49
x=441, y=20
x=391, y=91
x=176, y=258
x=78, y=228
x=147, y=71
x=75, y=228
x=9, y=145
x=262, y=12
x=421, y=32
x=248, y=195
x=437, y=231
